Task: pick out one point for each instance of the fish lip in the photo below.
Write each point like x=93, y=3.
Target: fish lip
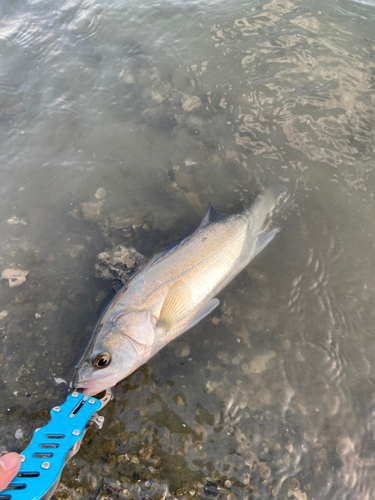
x=97, y=380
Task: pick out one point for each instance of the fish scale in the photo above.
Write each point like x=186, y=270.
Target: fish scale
x=203, y=265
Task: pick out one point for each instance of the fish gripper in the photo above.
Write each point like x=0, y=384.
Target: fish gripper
x=52, y=446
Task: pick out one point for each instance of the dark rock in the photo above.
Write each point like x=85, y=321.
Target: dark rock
x=211, y=489
x=119, y=263
x=160, y=118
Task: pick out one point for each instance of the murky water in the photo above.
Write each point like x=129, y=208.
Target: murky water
x=167, y=106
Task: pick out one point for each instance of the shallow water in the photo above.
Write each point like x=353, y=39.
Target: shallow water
x=167, y=106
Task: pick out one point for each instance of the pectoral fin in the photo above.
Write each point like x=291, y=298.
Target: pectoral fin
x=205, y=311
x=175, y=306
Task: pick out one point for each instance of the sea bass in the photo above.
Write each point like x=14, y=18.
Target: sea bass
x=172, y=293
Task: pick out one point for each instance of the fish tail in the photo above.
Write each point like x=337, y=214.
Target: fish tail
x=259, y=214
x=259, y=219
x=263, y=239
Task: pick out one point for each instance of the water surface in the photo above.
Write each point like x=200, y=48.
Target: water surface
x=167, y=106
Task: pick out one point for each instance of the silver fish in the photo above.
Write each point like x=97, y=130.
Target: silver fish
x=172, y=293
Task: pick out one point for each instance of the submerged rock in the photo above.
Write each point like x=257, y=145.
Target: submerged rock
x=91, y=211
x=15, y=220
x=125, y=220
x=100, y=193
x=3, y=314
x=182, y=81
x=194, y=202
x=259, y=364
x=151, y=489
x=184, y=181
x=127, y=77
x=190, y=102
x=182, y=349
x=160, y=117
x=15, y=277
x=119, y=263
x=194, y=124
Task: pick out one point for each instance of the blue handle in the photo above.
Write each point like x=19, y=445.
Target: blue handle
x=45, y=455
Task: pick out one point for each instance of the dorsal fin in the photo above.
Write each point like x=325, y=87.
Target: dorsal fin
x=211, y=216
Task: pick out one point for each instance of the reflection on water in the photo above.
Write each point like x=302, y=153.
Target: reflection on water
x=119, y=122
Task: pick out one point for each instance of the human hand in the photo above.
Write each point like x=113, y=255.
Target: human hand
x=9, y=465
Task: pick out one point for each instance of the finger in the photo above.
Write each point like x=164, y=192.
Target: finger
x=9, y=465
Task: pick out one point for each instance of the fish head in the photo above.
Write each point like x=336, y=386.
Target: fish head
x=117, y=349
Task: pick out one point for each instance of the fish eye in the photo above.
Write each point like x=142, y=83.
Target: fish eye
x=100, y=359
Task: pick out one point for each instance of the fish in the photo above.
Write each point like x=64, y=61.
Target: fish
x=173, y=292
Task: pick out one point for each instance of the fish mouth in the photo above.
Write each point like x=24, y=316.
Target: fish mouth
x=97, y=383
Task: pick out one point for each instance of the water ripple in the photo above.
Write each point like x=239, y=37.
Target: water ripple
x=87, y=22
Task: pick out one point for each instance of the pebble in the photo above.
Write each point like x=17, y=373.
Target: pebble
x=100, y=193
x=245, y=478
x=126, y=77
x=246, y=60
x=179, y=399
x=93, y=482
x=15, y=220
x=190, y=102
x=232, y=155
x=189, y=162
x=264, y=471
x=159, y=97
x=90, y=211
x=194, y=124
x=18, y=434
x=80, y=24
x=259, y=364
x=345, y=446
x=15, y=276
x=182, y=349
x=3, y=314
x=59, y=380
x=184, y=181
x=124, y=220
x=75, y=250
x=293, y=483
x=160, y=117
x=297, y=495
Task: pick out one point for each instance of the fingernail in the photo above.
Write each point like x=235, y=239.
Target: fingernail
x=10, y=461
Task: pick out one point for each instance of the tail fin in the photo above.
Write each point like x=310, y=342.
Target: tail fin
x=259, y=216
x=263, y=240
x=260, y=211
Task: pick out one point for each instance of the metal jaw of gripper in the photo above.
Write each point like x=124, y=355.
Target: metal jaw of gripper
x=53, y=445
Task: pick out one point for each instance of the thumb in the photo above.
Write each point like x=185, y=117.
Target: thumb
x=9, y=465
